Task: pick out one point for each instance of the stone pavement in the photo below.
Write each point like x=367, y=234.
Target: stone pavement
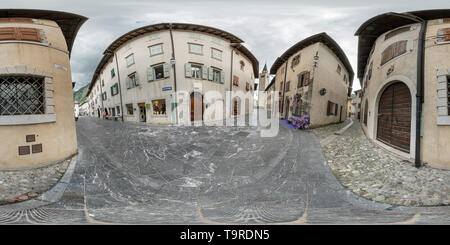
x=20, y=185
x=134, y=173
x=374, y=173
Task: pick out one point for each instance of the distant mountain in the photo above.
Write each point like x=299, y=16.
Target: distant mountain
x=81, y=94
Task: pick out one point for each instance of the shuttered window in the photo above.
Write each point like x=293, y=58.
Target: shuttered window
x=19, y=33
x=332, y=108
x=443, y=35
x=22, y=20
x=393, y=50
x=396, y=32
x=303, y=79
x=366, y=110
x=288, y=86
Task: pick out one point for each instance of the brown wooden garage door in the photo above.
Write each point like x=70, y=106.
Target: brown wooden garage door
x=394, y=117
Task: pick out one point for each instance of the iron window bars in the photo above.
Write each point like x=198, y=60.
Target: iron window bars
x=21, y=95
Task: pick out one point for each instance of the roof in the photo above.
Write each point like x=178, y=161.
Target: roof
x=322, y=38
x=108, y=53
x=69, y=23
x=370, y=30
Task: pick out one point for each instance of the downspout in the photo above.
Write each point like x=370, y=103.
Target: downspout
x=101, y=92
x=420, y=79
x=284, y=87
x=234, y=45
x=420, y=88
x=120, y=87
x=174, y=74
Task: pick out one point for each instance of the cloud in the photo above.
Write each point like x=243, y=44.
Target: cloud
x=268, y=28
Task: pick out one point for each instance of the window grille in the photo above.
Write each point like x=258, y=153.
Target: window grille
x=21, y=95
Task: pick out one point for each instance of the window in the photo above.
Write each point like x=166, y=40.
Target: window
x=21, y=95
x=288, y=85
x=159, y=71
x=332, y=109
x=132, y=80
x=195, y=48
x=216, y=54
x=118, y=110
x=159, y=107
x=103, y=82
x=104, y=96
x=295, y=61
x=196, y=71
x=113, y=73
x=338, y=69
x=19, y=33
x=393, y=51
x=242, y=63
x=235, y=80
x=396, y=32
x=130, y=60
x=129, y=109
x=443, y=35
x=303, y=79
x=217, y=75
x=247, y=86
x=115, y=89
x=366, y=110
x=369, y=74
x=156, y=49
x=345, y=78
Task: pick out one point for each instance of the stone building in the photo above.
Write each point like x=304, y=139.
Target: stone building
x=404, y=71
x=141, y=71
x=37, y=122
x=313, y=77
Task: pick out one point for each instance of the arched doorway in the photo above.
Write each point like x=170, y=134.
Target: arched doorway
x=196, y=106
x=394, y=116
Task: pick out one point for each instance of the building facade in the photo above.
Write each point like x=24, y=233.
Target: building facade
x=141, y=71
x=403, y=68
x=313, y=77
x=36, y=101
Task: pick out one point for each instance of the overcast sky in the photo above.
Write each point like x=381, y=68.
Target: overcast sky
x=268, y=28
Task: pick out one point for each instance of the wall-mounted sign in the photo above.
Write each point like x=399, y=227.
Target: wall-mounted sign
x=167, y=88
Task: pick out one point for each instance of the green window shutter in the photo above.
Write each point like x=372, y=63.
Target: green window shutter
x=103, y=82
x=204, y=72
x=188, y=70
x=128, y=82
x=222, y=77
x=166, y=68
x=112, y=91
x=210, y=74
x=136, y=79
x=150, y=74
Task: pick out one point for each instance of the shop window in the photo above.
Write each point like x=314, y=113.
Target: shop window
x=22, y=95
x=159, y=107
x=129, y=109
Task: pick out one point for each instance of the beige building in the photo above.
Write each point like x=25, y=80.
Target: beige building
x=404, y=71
x=36, y=103
x=313, y=77
x=142, y=70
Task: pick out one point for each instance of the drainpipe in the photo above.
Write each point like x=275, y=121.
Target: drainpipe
x=101, y=92
x=234, y=45
x=120, y=87
x=284, y=87
x=174, y=73
x=420, y=79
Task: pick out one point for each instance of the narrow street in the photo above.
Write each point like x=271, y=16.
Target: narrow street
x=133, y=173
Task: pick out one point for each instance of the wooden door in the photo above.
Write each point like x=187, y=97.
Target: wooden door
x=394, y=117
x=196, y=108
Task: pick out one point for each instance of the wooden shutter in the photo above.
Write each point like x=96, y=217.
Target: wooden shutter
x=23, y=20
x=393, y=51
x=150, y=74
x=188, y=70
x=8, y=33
x=136, y=79
x=328, y=108
x=210, y=74
x=29, y=34
x=396, y=32
x=112, y=91
x=446, y=34
x=335, y=109
x=306, y=79
x=166, y=69
x=204, y=72
x=222, y=77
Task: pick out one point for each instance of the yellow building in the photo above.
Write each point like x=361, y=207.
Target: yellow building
x=313, y=77
x=37, y=125
x=404, y=71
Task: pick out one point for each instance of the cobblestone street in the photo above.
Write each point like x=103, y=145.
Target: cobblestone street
x=374, y=173
x=133, y=173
